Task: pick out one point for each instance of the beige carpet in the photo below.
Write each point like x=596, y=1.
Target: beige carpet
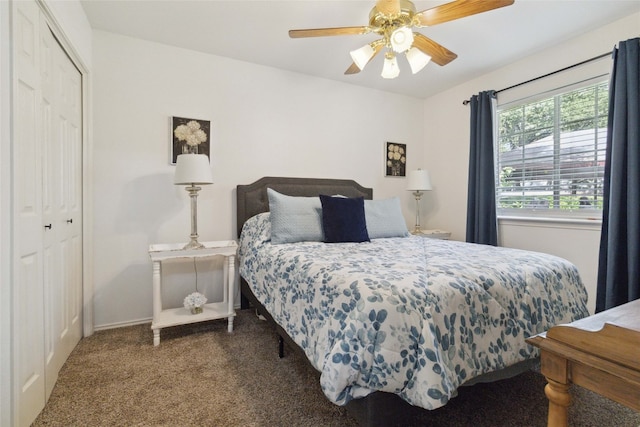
x=200, y=375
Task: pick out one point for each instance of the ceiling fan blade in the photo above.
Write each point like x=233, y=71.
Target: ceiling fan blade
x=377, y=47
x=438, y=53
x=353, y=69
x=458, y=9
x=388, y=7
x=322, y=32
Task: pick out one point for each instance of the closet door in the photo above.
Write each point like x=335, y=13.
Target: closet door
x=67, y=128
x=28, y=333
x=47, y=184
x=61, y=204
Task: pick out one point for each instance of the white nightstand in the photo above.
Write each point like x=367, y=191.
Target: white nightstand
x=433, y=234
x=180, y=316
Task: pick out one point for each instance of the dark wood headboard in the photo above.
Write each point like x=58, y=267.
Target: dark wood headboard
x=251, y=199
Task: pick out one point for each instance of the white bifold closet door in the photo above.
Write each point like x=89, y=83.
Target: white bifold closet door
x=47, y=176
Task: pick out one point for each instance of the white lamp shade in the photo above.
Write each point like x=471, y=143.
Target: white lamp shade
x=193, y=169
x=417, y=59
x=419, y=180
x=390, y=69
x=362, y=56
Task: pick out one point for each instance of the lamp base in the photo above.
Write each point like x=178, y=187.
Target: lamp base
x=418, y=195
x=193, y=244
x=193, y=195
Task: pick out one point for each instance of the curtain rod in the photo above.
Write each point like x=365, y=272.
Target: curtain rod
x=595, y=58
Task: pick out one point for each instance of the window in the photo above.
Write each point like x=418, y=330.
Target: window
x=551, y=154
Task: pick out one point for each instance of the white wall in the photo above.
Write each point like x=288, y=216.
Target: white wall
x=70, y=16
x=264, y=121
x=447, y=147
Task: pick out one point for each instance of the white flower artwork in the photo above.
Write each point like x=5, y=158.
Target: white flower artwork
x=189, y=136
x=395, y=159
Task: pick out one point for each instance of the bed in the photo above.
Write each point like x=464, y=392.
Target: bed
x=398, y=321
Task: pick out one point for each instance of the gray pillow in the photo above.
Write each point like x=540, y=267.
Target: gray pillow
x=384, y=218
x=295, y=219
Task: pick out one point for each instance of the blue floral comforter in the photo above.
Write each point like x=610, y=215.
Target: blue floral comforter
x=412, y=316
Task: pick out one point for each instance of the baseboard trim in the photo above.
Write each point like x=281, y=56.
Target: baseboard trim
x=121, y=324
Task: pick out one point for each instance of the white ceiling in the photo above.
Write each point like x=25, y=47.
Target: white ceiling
x=256, y=32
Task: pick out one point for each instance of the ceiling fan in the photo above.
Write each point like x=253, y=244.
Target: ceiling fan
x=394, y=21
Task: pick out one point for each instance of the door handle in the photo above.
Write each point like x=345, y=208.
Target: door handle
x=48, y=226
x=70, y=221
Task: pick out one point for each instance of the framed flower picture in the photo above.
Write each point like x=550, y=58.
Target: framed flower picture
x=189, y=136
x=395, y=159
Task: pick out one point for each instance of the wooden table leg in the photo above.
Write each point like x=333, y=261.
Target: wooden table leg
x=559, y=401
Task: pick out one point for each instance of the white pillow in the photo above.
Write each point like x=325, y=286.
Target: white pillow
x=384, y=218
x=295, y=219
x=299, y=219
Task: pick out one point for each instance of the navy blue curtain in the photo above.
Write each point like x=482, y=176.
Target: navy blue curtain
x=619, y=262
x=481, y=198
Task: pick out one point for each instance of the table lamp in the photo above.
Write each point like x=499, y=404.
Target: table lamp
x=193, y=170
x=419, y=181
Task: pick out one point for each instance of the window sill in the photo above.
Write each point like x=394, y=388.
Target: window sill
x=539, y=221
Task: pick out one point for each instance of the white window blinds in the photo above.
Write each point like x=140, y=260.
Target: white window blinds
x=551, y=153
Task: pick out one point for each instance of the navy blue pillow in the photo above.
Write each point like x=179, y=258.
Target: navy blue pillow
x=343, y=219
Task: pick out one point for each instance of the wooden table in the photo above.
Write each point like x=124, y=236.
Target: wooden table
x=600, y=353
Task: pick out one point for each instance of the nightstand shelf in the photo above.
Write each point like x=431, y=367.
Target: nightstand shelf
x=164, y=318
x=433, y=234
x=182, y=316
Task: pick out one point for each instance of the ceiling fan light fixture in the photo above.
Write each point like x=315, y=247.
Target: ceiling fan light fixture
x=393, y=21
x=362, y=56
x=417, y=59
x=401, y=39
x=390, y=69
